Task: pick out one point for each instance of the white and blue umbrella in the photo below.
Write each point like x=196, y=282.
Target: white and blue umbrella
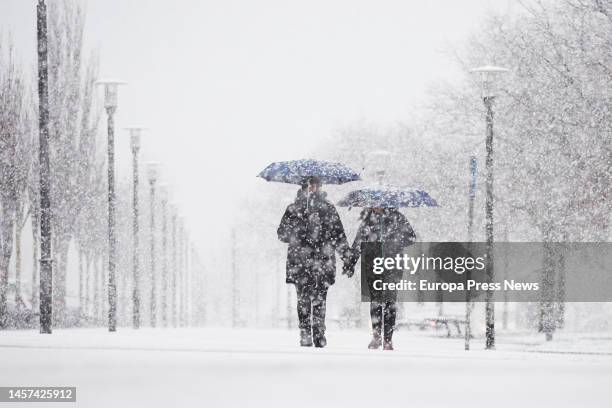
x=388, y=198
x=299, y=171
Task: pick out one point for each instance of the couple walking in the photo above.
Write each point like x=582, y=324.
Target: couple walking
x=313, y=229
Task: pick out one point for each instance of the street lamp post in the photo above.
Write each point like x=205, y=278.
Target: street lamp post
x=235, y=290
x=186, y=246
x=202, y=298
x=277, y=259
x=487, y=75
x=46, y=268
x=181, y=271
x=111, y=88
x=472, y=196
x=468, y=300
x=174, y=267
x=153, y=169
x=164, y=254
x=135, y=135
x=194, y=285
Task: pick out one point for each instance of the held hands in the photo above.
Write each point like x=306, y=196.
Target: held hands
x=348, y=269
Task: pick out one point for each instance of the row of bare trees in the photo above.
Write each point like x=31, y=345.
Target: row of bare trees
x=15, y=164
x=79, y=186
x=75, y=158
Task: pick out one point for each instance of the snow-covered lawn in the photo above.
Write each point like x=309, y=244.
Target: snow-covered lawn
x=252, y=368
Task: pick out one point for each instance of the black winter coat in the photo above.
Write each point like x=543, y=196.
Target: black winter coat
x=390, y=227
x=312, y=228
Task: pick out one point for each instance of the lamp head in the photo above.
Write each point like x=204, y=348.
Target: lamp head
x=488, y=75
x=380, y=177
x=153, y=171
x=111, y=88
x=176, y=205
x=135, y=135
x=164, y=191
x=377, y=160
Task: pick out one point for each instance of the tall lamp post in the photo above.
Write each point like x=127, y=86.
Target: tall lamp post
x=111, y=88
x=487, y=75
x=46, y=268
x=174, y=266
x=188, y=281
x=163, y=190
x=235, y=281
x=186, y=246
x=135, y=135
x=153, y=170
x=472, y=196
x=181, y=270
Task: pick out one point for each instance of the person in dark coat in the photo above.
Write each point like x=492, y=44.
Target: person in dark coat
x=312, y=228
x=381, y=225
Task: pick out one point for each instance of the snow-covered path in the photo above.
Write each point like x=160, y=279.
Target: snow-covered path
x=252, y=368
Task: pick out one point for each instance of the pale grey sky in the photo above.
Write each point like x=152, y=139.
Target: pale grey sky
x=228, y=86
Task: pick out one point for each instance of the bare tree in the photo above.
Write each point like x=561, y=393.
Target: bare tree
x=73, y=129
x=14, y=159
x=23, y=172
x=553, y=152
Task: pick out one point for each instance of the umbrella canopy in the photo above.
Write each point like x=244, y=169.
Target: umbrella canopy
x=387, y=198
x=298, y=171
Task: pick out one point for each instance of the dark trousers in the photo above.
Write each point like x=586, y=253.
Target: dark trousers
x=383, y=312
x=311, y=309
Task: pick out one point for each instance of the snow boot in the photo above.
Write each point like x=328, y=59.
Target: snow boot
x=320, y=342
x=376, y=341
x=305, y=338
x=388, y=345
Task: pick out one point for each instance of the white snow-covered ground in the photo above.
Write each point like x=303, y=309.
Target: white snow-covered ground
x=264, y=368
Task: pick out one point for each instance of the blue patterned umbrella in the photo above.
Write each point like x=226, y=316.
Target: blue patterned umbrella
x=298, y=171
x=387, y=198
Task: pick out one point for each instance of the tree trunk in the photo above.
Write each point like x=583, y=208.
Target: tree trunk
x=560, y=293
x=35, y=262
x=87, y=294
x=81, y=283
x=59, y=283
x=547, y=312
x=5, y=258
x=96, y=290
x=103, y=292
x=4, y=262
x=18, y=300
